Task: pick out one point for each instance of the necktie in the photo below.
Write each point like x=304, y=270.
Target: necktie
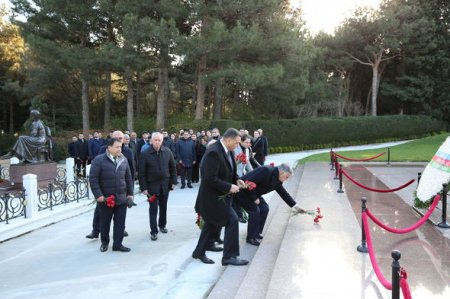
x=115, y=161
x=230, y=159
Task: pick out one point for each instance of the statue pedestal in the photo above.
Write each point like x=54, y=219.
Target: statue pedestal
x=45, y=172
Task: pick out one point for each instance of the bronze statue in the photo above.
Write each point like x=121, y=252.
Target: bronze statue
x=37, y=147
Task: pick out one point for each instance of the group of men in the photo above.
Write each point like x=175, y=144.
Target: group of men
x=221, y=188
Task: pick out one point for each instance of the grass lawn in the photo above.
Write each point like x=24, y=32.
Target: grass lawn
x=420, y=150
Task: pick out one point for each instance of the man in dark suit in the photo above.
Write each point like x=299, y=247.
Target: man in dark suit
x=267, y=179
x=81, y=155
x=110, y=175
x=157, y=174
x=218, y=172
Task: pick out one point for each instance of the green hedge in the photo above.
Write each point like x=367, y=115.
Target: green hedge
x=312, y=133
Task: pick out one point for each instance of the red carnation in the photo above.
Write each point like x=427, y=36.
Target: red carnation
x=110, y=201
x=272, y=164
x=250, y=185
x=241, y=158
x=152, y=198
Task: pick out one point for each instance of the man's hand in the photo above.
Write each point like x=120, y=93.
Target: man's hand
x=257, y=201
x=101, y=199
x=145, y=192
x=299, y=210
x=172, y=187
x=130, y=201
x=240, y=183
x=234, y=188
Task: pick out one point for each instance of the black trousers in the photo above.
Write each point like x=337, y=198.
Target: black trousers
x=106, y=215
x=160, y=203
x=257, y=219
x=231, y=238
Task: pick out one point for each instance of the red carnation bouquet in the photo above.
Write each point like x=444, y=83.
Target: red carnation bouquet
x=110, y=201
x=241, y=158
x=316, y=214
x=152, y=198
x=249, y=185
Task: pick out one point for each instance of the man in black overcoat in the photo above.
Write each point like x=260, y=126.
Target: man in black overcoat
x=81, y=155
x=157, y=175
x=218, y=172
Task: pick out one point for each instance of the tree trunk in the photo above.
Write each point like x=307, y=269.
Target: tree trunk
x=130, y=97
x=218, y=99
x=374, y=89
x=108, y=100
x=201, y=86
x=11, y=117
x=138, y=93
x=85, y=106
x=163, y=86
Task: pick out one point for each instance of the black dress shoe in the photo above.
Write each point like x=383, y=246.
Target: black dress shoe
x=214, y=248
x=121, y=248
x=154, y=237
x=253, y=242
x=259, y=237
x=204, y=259
x=92, y=236
x=234, y=261
x=189, y=186
x=125, y=234
x=103, y=247
x=218, y=241
x=163, y=230
x=182, y=187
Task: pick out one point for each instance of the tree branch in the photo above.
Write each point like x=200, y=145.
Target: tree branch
x=358, y=60
x=390, y=57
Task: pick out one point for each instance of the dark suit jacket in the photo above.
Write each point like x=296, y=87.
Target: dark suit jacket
x=266, y=180
x=156, y=170
x=217, y=178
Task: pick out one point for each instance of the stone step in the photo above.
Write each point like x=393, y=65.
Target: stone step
x=242, y=282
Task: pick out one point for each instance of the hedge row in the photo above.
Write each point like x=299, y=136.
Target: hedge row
x=311, y=133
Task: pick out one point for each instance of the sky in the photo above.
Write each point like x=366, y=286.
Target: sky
x=323, y=15
x=326, y=15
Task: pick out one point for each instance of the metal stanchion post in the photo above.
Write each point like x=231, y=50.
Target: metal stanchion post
x=333, y=161
x=444, y=223
x=336, y=173
x=396, y=274
x=363, y=247
x=389, y=157
x=340, y=180
x=419, y=176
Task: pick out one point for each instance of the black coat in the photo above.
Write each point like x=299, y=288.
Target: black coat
x=266, y=180
x=156, y=170
x=107, y=179
x=258, y=149
x=81, y=149
x=217, y=178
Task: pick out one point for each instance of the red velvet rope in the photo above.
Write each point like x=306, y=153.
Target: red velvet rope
x=377, y=190
x=373, y=259
x=408, y=229
x=360, y=160
x=404, y=285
